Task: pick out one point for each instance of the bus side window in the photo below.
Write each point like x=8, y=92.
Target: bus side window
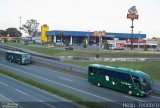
x=92, y=69
x=125, y=77
x=103, y=72
x=114, y=74
x=18, y=56
x=106, y=72
x=97, y=70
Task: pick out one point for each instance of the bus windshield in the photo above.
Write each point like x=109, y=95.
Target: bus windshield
x=145, y=85
x=26, y=56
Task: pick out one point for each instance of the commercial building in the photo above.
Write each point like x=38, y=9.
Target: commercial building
x=90, y=38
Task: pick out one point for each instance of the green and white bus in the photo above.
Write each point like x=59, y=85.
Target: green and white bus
x=133, y=82
x=18, y=57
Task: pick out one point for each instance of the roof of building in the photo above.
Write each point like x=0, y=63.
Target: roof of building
x=86, y=33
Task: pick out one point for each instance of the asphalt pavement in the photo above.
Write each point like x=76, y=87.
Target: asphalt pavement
x=74, y=85
x=16, y=94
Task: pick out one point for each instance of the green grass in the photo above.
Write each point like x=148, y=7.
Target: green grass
x=83, y=52
x=152, y=68
x=60, y=93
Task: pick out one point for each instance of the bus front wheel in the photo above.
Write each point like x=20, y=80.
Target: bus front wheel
x=98, y=84
x=130, y=92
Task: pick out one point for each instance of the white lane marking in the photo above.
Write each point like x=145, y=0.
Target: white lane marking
x=65, y=79
x=3, y=83
x=26, y=68
x=59, y=72
x=134, y=98
x=64, y=85
x=16, y=104
x=155, y=97
x=41, y=101
x=21, y=92
x=47, y=104
x=6, y=98
x=35, y=98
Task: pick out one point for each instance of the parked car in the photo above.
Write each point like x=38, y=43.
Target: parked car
x=157, y=49
x=59, y=44
x=53, y=46
x=69, y=48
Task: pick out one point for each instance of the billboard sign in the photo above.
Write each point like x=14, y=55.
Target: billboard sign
x=132, y=16
x=132, y=13
x=133, y=10
x=99, y=33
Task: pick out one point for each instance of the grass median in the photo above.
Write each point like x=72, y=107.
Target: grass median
x=52, y=90
x=151, y=68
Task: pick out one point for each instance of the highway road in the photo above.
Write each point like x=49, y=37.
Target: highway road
x=74, y=85
x=20, y=95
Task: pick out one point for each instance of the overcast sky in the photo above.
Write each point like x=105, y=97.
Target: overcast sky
x=83, y=15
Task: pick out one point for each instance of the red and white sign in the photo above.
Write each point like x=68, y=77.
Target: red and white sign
x=120, y=45
x=136, y=41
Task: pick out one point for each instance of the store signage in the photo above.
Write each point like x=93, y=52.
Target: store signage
x=132, y=16
x=99, y=33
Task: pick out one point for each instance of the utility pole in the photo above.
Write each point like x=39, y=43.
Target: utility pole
x=99, y=42
x=20, y=27
x=87, y=40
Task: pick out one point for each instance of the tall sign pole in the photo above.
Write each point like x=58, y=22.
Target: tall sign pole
x=132, y=14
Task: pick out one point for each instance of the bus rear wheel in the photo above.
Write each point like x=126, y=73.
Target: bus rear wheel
x=98, y=84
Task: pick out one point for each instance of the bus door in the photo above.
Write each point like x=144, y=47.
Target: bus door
x=136, y=82
x=18, y=58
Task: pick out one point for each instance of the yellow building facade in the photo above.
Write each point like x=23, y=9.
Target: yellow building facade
x=44, y=29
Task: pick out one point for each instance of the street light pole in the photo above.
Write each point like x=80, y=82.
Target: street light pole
x=20, y=19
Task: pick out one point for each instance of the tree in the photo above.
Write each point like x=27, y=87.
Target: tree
x=145, y=47
x=106, y=45
x=14, y=32
x=31, y=27
x=3, y=33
